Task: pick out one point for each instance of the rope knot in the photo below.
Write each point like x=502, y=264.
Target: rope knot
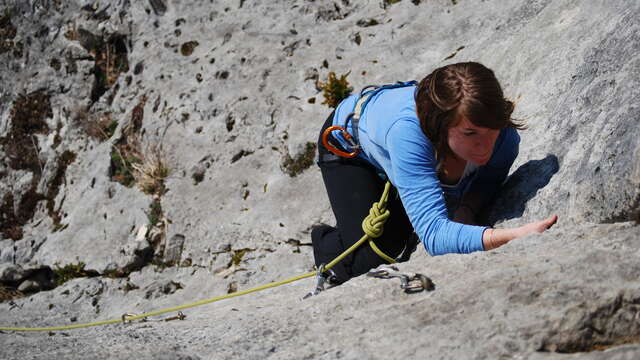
x=373, y=224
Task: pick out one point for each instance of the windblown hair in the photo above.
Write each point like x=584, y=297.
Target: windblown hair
x=454, y=91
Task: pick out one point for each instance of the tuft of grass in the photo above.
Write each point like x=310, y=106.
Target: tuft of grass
x=150, y=173
x=68, y=272
x=335, y=90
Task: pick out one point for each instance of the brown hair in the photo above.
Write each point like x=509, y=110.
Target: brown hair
x=451, y=92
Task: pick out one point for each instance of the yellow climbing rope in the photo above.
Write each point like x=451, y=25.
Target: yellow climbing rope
x=372, y=226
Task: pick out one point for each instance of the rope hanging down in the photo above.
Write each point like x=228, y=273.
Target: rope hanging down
x=372, y=226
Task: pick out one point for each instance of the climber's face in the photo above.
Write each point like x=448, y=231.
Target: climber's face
x=472, y=143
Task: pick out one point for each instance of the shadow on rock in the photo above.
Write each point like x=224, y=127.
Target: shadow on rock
x=521, y=187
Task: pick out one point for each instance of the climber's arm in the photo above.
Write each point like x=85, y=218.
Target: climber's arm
x=493, y=238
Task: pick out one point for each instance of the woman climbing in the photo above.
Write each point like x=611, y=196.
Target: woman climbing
x=446, y=144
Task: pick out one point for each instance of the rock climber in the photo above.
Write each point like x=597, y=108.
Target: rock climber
x=445, y=143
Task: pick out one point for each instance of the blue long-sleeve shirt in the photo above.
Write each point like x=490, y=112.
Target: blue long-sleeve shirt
x=391, y=139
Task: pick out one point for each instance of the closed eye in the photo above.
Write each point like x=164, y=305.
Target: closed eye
x=471, y=133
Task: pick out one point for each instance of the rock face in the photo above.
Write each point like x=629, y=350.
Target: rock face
x=166, y=146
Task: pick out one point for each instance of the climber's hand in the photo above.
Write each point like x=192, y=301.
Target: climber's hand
x=537, y=226
x=493, y=238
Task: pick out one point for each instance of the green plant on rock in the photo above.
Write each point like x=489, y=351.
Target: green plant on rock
x=122, y=167
x=155, y=212
x=335, y=90
x=236, y=257
x=71, y=271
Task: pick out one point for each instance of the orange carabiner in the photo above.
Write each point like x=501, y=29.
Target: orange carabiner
x=347, y=136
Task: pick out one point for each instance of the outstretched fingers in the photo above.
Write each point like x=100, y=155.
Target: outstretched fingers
x=539, y=226
x=550, y=221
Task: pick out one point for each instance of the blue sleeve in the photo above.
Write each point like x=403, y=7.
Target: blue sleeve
x=491, y=176
x=413, y=174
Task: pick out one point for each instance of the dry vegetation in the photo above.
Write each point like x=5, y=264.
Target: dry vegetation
x=149, y=174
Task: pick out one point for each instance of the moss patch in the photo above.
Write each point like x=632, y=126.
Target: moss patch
x=295, y=166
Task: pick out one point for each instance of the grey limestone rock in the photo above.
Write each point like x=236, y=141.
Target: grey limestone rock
x=173, y=250
x=7, y=251
x=231, y=111
x=12, y=273
x=28, y=278
x=158, y=289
